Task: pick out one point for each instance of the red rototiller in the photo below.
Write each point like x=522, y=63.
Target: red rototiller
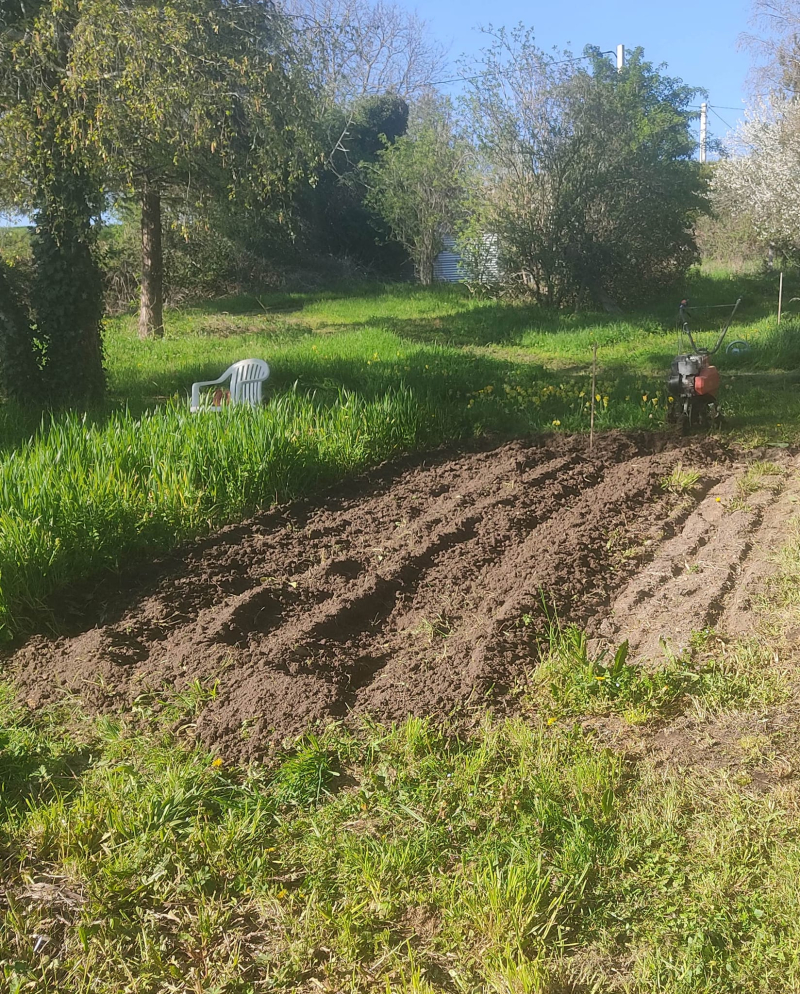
x=693, y=382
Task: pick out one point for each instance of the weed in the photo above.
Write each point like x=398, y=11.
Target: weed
x=752, y=480
x=703, y=638
x=569, y=681
x=681, y=480
x=303, y=778
x=439, y=628
x=83, y=497
x=739, y=503
x=619, y=545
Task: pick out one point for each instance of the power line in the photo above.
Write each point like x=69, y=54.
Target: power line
x=502, y=72
x=728, y=126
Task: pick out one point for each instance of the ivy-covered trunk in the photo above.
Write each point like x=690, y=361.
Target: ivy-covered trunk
x=68, y=292
x=20, y=374
x=151, y=311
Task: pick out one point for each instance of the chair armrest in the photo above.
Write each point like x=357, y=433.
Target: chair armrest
x=196, y=387
x=211, y=383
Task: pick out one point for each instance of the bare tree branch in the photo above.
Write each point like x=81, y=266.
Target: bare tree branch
x=357, y=47
x=775, y=42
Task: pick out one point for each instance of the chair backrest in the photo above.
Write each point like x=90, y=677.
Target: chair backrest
x=246, y=379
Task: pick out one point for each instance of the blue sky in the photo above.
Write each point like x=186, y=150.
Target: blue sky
x=698, y=41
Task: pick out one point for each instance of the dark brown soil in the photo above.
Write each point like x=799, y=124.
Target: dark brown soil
x=402, y=592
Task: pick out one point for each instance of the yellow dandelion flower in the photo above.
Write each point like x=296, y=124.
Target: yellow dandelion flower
x=597, y=396
x=644, y=397
x=556, y=422
x=217, y=762
x=671, y=400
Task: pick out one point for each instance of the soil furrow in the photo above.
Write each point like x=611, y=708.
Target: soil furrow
x=687, y=586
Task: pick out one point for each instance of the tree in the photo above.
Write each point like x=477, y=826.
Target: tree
x=417, y=188
x=339, y=221
x=589, y=184
x=776, y=44
x=728, y=240
x=189, y=100
x=757, y=181
x=759, y=177
x=357, y=47
x=44, y=172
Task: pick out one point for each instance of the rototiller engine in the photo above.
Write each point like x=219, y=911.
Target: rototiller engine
x=693, y=382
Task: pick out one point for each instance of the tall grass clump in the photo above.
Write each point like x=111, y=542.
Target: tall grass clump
x=83, y=497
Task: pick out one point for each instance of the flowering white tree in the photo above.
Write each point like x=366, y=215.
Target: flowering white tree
x=760, y=177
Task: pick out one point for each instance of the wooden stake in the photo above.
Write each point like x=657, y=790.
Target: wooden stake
x=780, y=298
x=594, y=391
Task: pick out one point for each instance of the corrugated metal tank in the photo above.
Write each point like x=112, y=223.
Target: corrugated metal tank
x=447, y=267
x=447, y=264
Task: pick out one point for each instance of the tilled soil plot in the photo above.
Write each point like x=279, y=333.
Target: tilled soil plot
x=404, y=592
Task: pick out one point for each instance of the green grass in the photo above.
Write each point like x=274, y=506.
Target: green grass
x=522, y=367
x=521, y=859
x=570, y=681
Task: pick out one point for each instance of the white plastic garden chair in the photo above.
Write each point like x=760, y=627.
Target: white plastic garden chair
x=246, y=378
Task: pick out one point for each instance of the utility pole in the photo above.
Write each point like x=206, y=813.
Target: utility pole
x=703, y=131
x=620, y=58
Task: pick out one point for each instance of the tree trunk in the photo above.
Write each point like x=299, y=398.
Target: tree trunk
x=425, y=267
x=151, y=312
